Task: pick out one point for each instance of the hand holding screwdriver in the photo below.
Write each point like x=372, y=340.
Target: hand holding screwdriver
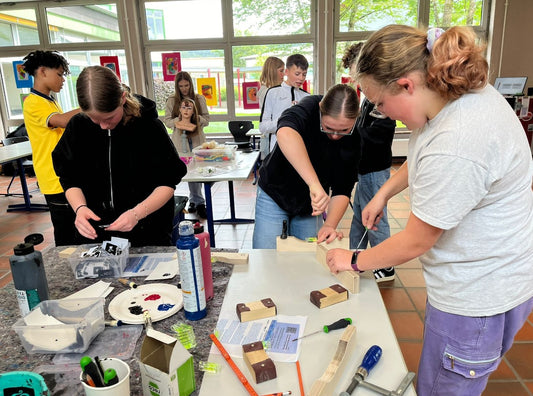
x=339, y=324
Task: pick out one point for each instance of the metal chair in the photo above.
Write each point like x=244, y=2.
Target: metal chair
x=27, y=163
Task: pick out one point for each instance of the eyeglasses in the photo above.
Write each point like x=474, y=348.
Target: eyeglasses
x=375, y=111
x=335, y=132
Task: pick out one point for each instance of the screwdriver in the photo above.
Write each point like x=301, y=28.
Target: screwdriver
x=339, y=324
x=370, y=359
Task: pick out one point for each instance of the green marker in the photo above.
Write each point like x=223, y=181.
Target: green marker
x=110, y=377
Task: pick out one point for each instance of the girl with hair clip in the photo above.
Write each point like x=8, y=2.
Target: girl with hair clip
x=117, y=164
x=317, y=152
x=184, y=89
x=469, y=173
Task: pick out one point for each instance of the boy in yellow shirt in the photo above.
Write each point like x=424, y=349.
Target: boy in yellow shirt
x=45, y=122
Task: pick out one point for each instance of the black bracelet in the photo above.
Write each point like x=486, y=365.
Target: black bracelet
x=354, y=261
x=78, y=208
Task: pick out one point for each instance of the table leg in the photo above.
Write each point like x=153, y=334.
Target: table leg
x=209, y=210
x=27, y=205
x=232, y=219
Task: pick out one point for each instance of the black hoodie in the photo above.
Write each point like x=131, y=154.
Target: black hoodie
x=116, y=169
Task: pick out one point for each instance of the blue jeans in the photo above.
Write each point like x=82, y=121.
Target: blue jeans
x=195, y=189
x=269, y=223
x=460, y=352
x=365, y=190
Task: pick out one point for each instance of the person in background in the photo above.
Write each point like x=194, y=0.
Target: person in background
x=117, y=164
x=281, y=97
x=184, y=88
x=271, y=76
x=318, y=150
x=377, y=133
x=469, y=172
x=45, y=122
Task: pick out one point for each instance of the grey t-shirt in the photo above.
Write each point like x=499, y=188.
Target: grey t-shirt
x=470, y=174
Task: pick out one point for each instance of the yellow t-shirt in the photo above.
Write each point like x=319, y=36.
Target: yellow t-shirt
x=37, y=109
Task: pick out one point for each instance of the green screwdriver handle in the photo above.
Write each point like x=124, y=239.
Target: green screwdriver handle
x=339, y=324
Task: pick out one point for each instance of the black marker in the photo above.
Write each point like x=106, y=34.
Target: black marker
x=110, y=377
x=91, y=370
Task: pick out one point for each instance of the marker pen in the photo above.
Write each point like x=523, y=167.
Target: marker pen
x=91, y=370
x=110, y=377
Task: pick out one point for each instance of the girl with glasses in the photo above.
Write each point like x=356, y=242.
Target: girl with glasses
x=316, y=155
x=184, y=89
x=469, y=173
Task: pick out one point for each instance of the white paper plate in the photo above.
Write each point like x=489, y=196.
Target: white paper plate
x=160, y=299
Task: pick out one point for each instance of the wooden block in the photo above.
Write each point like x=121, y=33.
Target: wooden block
x=328, y=296
x=230, y=258
x=325, y=385
x=256, y=310
x=349, y=279
x=66, y=253
x=293, y=244
x=260, y=365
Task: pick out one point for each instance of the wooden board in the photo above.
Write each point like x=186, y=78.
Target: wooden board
x=349, y=279
x=328, y=296
x=260, y=365
x=230, y=258
x=325, y=385
x=264, y=308
x=293, y=244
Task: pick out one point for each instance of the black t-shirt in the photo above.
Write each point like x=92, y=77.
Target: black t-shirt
x=334, y=161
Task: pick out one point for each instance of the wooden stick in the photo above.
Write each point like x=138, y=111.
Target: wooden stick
x=233, y=366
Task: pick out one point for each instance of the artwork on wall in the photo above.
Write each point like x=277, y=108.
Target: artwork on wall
x=171, y=65
x=23, y=96
x=249, y=93
x=207, y=88
x=22, y=79
x=110, y=62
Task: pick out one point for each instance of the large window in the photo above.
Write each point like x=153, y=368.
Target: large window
x=224, y=40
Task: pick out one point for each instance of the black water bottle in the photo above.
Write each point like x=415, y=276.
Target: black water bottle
x=28, y=273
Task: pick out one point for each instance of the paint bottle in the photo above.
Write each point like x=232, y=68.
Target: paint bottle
x=205, y=250
x=191, y=272
x=29, y=277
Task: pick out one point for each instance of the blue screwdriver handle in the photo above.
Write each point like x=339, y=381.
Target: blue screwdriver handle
x=371, y=358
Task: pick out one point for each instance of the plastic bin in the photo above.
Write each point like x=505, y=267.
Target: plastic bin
x=61, y=326
x=218, y=154
x=22, y=383
x=105, y=266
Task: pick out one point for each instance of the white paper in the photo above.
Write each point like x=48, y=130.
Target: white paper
x=279, y=330
x=98, y=289
x=145, y=264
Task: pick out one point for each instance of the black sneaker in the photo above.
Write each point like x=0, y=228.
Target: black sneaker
x=384, y=274
x=192, y=208
x=200, y=211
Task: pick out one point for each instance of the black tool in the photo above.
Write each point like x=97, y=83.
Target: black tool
x=110, y=377
x=91, y=370
x=284, y=230
x=339, y=324
x=370, y=359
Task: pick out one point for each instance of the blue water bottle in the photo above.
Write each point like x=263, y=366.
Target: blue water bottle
x=191, y=273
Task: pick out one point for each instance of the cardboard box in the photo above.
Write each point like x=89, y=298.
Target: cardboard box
x=166, y=366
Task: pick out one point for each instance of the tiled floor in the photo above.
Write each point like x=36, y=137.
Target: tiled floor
x=404, y=297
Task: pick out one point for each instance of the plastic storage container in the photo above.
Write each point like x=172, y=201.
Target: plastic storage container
x=217, y=154
x=105, y=266
x=61, y=326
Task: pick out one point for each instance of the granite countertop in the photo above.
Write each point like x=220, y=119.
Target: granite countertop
x=64, y=380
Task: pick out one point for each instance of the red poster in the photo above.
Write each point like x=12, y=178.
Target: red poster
x=111, y=62
x=171, y=65
x=249, y=93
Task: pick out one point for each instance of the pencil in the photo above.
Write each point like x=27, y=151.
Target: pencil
x=300, y=378
x=233, y=366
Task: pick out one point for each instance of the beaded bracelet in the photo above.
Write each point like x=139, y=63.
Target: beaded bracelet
x=145, y=209
x=135, y=214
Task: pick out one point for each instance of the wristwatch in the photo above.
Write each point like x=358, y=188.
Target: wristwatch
x=354, y=261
